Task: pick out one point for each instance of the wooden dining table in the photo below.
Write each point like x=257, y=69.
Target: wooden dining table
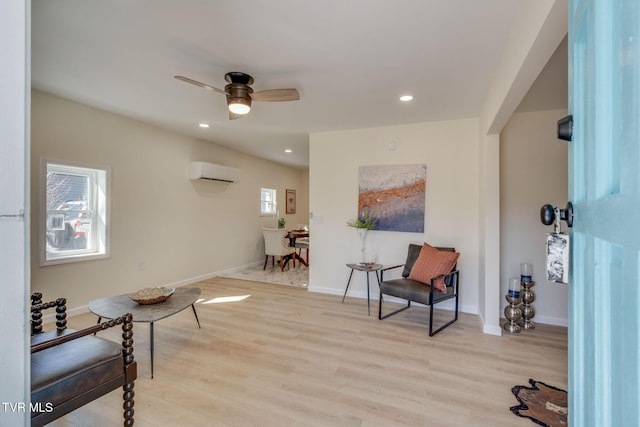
x=292, y=235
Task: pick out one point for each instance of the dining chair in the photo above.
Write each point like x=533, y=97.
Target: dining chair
x=303, y=243
x=277, y=245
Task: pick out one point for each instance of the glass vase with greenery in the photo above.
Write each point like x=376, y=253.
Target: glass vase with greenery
x=363, y=224
x=364, y=220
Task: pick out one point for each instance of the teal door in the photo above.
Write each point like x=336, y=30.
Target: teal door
x=604, y=186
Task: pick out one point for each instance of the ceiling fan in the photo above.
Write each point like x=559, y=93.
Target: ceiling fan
x=239, y=93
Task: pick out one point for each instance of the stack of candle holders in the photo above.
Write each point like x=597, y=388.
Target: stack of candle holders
x=513, y=312
x=528, y=297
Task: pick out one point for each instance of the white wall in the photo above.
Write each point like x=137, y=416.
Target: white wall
x=202, y=224
x=14, y=204
x=533, y=171
x=536, y=33
x=165, y=229
x=489, y=280
x=450, y=151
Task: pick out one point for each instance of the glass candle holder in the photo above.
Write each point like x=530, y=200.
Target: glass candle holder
x=526, y=272
x=514, y=287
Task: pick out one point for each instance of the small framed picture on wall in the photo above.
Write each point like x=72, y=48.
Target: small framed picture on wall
x=291, y=201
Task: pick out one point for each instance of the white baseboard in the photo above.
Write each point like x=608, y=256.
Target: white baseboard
x=555, y=321
x=497, y=329
x=74, y=311
x=200, y=278
x=492, y=329
x=447, y=305
x=70, y=312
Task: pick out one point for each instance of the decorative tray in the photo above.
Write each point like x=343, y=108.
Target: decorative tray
x=149, y=296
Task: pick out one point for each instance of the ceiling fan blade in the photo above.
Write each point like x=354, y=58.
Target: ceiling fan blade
x=202, y=85
x=276, y=95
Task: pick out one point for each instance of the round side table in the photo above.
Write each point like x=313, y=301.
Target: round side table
x=367, y=269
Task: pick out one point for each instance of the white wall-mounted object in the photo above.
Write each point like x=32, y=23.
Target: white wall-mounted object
x=211, y=171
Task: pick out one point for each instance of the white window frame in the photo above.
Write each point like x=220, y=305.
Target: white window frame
x=99, y=203
x=274, y=205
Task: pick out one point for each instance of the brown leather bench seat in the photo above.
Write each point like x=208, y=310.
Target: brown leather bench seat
x=71, y=368
x=75, y=368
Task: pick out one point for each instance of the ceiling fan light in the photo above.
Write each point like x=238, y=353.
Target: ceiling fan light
x=240, y=105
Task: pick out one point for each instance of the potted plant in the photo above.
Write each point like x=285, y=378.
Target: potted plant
x=280, y=222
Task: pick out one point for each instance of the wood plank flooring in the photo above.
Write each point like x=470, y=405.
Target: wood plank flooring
x=282, y=356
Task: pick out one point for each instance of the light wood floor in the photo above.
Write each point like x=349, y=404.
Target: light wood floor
x=283, y=356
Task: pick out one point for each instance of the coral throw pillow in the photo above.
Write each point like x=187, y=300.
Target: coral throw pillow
x=431, y=263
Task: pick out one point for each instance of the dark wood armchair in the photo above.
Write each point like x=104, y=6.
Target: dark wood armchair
x=71, y=368
x=412, y=290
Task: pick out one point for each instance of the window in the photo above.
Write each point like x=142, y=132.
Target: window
x=268, y=202
x=74, y=218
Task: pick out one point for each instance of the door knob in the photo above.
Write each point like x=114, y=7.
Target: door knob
x=565, y=128
x=550, y=214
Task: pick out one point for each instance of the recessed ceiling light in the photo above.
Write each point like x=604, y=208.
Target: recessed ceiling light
x=288, y=150
x=406, y=98
x=203, y=125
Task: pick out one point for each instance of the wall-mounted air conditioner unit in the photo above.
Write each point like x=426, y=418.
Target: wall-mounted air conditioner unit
x=203, y=170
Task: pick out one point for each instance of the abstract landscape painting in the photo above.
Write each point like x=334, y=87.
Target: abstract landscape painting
x=394, y=195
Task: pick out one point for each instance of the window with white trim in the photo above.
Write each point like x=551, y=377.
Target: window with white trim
x=268, y=205
x=74, y=219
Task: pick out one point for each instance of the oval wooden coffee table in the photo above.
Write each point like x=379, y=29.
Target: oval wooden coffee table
x=112, y=307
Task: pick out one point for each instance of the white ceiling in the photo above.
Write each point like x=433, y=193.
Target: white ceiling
x=350, y=61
